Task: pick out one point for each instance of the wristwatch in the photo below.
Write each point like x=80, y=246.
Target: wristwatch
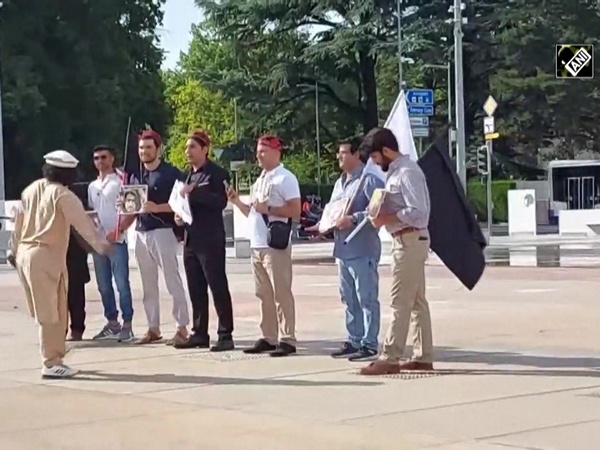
x=354, y=220
x=269, y=209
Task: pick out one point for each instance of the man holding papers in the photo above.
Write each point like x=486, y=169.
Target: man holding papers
x=204, y=245
x=357, y=260
x=405, y=214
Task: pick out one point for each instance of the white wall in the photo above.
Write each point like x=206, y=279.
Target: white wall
x=579, y=222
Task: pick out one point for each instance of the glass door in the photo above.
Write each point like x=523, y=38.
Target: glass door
x=574, y=193
x=587, y=193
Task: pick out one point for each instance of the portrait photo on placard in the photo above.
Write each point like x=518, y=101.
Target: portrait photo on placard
x=132, y=198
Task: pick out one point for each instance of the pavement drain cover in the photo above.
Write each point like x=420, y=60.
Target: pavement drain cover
x=222, y=357
x=407, y=376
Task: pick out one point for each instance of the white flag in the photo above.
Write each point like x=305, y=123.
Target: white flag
x=398, y=121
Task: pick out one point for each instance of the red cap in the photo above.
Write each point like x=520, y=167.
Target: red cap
x=201, y=137
x=151, y=134
x=271, y=141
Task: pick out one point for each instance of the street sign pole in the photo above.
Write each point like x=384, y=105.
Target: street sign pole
x=489, y=131
x=490, y=204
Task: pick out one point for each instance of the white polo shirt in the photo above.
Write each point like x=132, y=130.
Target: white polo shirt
x=276, y=187
x=102, y=198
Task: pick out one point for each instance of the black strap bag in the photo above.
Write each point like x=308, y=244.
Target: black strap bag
x=278, y=233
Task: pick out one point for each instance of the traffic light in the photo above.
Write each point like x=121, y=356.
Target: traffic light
x=482, y=160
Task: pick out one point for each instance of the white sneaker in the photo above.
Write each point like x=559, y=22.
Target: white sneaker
x=58, y=371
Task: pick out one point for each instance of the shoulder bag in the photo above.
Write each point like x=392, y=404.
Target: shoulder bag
x=278, y=233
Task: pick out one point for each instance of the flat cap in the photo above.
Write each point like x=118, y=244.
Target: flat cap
x=62, y=159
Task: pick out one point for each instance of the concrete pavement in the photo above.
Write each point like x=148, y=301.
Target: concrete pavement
x=518, y=367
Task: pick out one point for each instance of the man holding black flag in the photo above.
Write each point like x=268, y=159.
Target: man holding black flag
x=204, y=245
x=405, y=215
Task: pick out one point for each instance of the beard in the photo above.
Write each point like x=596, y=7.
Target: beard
x=148, y=159
x=385, y=163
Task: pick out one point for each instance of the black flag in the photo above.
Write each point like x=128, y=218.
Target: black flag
x=455, y=234
x=131, y=157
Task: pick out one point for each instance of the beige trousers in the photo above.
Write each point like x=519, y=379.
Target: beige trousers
x=45, y=285
x=409, y=305
x=272, y=271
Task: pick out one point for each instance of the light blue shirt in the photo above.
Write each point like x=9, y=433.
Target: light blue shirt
x=366, y=243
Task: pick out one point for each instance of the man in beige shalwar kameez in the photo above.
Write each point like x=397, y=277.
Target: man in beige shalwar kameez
x=39, y=247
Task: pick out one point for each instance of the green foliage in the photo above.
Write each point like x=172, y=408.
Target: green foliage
x=306, y=167
x=72, y=73
x=324, y=191
x=477, y=194
x=196, y=108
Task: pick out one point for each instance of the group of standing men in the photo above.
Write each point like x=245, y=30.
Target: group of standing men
x=50, y=210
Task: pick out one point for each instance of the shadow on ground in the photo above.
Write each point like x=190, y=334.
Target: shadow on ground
x=534, y=365
x=169, y=378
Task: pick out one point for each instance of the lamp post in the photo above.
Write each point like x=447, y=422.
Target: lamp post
x=318, y=137
x=399, y=13
x=461, y=151
x=2, y=179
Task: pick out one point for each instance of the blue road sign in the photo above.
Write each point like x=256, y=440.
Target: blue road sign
x=418, y=110
x=419, y=96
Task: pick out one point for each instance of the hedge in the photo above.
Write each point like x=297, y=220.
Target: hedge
x=476, y=193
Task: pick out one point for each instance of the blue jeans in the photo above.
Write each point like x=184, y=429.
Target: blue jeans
x=114, y=265
x=359, y=290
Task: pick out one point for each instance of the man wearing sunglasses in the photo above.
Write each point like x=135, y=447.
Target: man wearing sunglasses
x=102, y=198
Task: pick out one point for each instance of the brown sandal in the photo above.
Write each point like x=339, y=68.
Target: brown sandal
x=180, y=337
x=150, y=337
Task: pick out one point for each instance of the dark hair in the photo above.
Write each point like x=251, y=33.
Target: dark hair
x=376, y=140
x=198, y=140
x=353, y=142
x=151, y=134
x=60, y=175
x=103, y=147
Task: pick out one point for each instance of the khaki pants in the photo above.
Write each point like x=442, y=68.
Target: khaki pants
x=409, y=306
x=154, y=250
x=46, y=291
x=272, y=271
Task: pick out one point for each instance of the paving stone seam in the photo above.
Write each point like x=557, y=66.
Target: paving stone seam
x=544, y=428
x=98, y=420
x=476, y=402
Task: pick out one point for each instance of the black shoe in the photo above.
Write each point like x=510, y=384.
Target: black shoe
x=260, y=346
x=346, y=350
x=194, y=341
x=283, y=349
x=364, y=354
x=224, y=345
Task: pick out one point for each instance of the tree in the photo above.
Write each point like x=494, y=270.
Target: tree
x=339, y=54
x=72, y=73
x=195, y=107
x=535, y=106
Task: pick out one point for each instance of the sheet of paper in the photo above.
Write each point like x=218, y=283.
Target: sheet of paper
x=180, y=204
x=333, y=211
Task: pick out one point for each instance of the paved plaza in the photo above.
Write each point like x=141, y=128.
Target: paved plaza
x=518, y=364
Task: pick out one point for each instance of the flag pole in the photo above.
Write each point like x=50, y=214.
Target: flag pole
x=123, y=174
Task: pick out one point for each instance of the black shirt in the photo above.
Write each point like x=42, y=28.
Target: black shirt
x=160, y=183
x=208, y=199
x=77, y=259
